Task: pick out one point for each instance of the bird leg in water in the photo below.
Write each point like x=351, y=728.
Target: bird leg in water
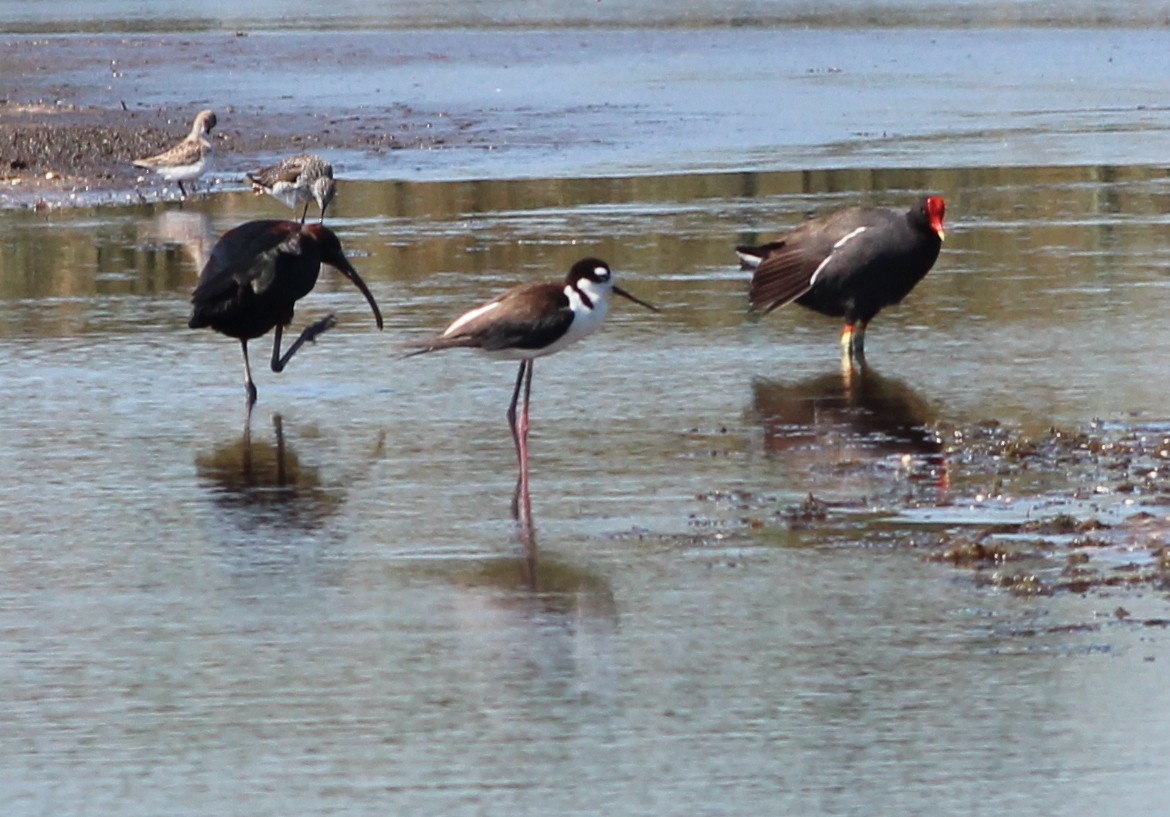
x=310, y=334
x=248, y=384
x=520, y=428
x=853, y=345
x=859, y=342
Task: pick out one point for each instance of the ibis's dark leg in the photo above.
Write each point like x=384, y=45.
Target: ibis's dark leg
x=182, y=190
x=248, y=384
x=310, y=334
x=305, y=213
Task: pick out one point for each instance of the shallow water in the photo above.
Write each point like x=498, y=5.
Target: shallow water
x=728, y=610
x=334, y=614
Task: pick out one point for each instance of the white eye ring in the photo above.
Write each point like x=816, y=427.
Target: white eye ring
x=602, y=273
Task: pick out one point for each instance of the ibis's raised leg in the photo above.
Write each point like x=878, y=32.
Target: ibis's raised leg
x=309, y=334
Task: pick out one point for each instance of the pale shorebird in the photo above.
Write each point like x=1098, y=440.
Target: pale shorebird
x=255, y=276
x=189, y=159
x=297, y=180
x=531, y=321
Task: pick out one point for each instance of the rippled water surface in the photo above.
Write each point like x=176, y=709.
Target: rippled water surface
x=332, y=611
x=729, y=601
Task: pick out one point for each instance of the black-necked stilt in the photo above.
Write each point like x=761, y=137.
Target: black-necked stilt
x=848, y=264
x=189, y=159
x=254, y=277
x=531, y=321
x=297, y=180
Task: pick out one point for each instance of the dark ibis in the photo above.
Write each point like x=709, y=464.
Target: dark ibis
x=256, y=274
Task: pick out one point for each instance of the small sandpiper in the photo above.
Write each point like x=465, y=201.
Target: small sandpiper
x=189, y=159
x=531, y=321
x=297, y=180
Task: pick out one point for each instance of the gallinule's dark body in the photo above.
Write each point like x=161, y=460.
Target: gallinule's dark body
x=850, y=264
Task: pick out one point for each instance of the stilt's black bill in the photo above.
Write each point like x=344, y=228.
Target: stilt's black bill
x=619, y=291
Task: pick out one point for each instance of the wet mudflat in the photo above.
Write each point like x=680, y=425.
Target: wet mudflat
x=757, y=586
x=510, y=101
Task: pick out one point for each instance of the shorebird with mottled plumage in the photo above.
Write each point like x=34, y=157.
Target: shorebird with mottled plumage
x=297, y=180
x=189, y=159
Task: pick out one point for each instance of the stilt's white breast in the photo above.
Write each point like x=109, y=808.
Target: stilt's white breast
x=587, y=317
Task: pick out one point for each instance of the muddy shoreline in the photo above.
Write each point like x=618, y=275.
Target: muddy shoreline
x=60, y=154
x=515, y=103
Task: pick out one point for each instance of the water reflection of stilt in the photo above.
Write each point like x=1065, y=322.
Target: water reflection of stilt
x=855, y=415
x=525, y=534
x=545, y=623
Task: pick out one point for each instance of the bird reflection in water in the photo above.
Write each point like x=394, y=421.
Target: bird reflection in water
x=525, y=533
x=544, y=625
x=263, y=485
x=526, y=576
x=836, y=420
x=182, y=228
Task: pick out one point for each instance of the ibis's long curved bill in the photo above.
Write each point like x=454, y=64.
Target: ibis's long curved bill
x=349, y=272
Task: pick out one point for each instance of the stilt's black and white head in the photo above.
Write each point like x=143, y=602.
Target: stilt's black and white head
x=588, y=287
x=589, y=283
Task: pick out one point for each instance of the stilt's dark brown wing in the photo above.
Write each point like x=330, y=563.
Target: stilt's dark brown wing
x=528, y=317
